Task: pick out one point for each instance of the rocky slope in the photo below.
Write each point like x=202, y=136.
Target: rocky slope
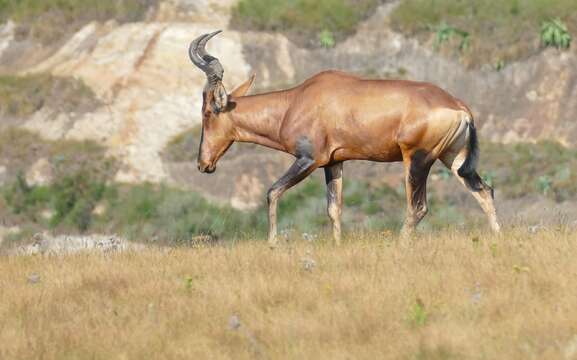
x=150, y=92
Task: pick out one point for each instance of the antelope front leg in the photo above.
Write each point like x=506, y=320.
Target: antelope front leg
x=334, y=181
x=299, y=170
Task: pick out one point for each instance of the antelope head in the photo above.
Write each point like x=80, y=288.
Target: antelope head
x=217, y=127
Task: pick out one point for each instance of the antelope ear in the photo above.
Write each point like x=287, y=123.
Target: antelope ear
x=219, y=98
x=243, y=88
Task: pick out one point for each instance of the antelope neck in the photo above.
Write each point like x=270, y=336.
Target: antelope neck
x=258, y=118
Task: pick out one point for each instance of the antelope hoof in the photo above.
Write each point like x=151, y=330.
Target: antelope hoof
x=496, y=228
x=337, y=240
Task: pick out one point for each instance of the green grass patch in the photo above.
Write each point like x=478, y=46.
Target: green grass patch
x=162, y=214
x=83, y=199
x=308, y=22
x=21, y=96
x=86, y=202
x=80, y=172
x=141, y=212
x=499, y=32
x=518, y=170
x=49, y=20
x=158, y=213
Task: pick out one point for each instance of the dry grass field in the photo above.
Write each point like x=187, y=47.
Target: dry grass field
x=446, y=295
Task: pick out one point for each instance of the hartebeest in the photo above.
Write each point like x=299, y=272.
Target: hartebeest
x=333, y=117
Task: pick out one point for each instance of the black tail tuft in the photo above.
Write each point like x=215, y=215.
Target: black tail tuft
x=468, y=168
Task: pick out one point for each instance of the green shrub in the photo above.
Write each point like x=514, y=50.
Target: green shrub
x=71, y=200
x=444, y=33
x=304, y=20
x=554, y=33
x=21, y=197
x=150, y=212
x=327, y=39
x=80, y=171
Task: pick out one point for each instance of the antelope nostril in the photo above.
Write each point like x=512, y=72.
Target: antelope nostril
x=205, y=168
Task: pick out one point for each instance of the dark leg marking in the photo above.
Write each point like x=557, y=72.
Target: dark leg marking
x=416, y=183
x=296, y=173
x=481, y=191
x=300, y=169
x=418, y=173
x=304, y=148
x=475, y=183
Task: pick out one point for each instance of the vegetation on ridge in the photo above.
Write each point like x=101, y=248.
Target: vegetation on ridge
x=21, y=96
x=500, y=31
x=308, y=22
x=50, y=20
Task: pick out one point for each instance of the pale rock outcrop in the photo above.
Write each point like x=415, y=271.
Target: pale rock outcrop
x=7, y=34
x=151, y=91
x=247, y=192
x=3, y=174
x=47, y=244
x=40, y=173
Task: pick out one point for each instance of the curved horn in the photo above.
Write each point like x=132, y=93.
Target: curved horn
x=202, y=44
x=193, y=53
x=206, y=62
x=197, y=51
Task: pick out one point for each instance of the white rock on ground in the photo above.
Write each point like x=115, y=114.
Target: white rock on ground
x=64, y=244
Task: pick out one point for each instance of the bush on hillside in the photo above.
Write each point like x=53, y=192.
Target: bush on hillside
x=554, y=33
x=309, y=22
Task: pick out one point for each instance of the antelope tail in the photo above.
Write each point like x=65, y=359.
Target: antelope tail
x=469, y=166
x=468, y=169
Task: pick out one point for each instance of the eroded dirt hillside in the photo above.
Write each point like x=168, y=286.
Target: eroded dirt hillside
x=149, y=93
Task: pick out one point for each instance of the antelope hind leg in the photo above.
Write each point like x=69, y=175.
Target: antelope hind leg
x=334, y=181
x=482, y=192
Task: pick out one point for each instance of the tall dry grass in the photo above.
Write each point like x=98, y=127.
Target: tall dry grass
x=440, y=296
